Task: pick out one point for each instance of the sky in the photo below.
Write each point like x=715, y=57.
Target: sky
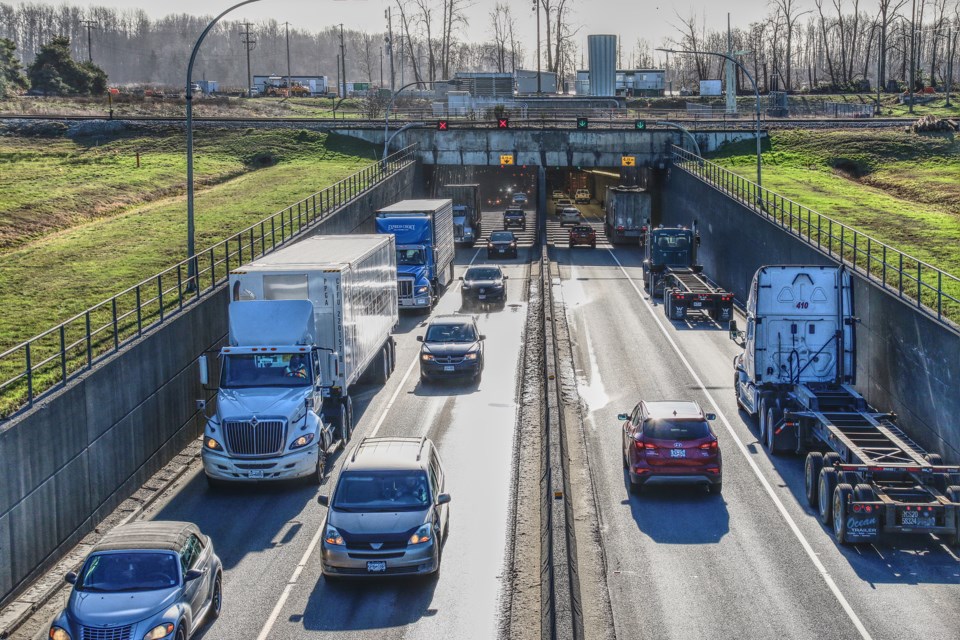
x=630, y=19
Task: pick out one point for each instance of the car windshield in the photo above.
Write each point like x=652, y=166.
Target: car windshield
x=501, y=236
x=128, y=571
x=482, y=273
x=266, y=370
x=410, y=256
x=676, y=430
x=582, y=229
x=451, y=333
x=513, y=212
x=382, y=491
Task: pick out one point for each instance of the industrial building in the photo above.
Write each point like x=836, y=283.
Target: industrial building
x=628, y=82
x=317, y=84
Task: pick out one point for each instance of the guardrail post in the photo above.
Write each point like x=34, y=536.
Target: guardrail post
x=29, y=374
x=139, y=315
x=939, y=293
x=116, y=328
x=273, y=233
x=830, y=238
x=239, y=249
x=919, y=283
x=884, y=265
x=213, y=270
x=900, y=286
x=63, y=355
x=855, y=234
x=180, y=287
x=89, y=341
x=160, y=292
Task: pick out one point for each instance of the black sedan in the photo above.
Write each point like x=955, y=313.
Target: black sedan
x=483, y=284
x=452, y=347
x=502, y=244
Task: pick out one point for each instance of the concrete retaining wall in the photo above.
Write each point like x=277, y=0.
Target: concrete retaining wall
x=69, y=461
x=907, y=363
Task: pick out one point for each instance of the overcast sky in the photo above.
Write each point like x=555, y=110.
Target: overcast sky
x=631, y=19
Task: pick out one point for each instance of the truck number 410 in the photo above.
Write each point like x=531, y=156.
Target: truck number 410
x=803, y=305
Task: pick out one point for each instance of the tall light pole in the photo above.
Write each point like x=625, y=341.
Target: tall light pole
x=191, y=250
x=536, y=7
x=913, y=48
x=756, y=93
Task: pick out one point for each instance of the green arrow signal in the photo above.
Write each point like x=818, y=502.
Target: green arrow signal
x=640, y=125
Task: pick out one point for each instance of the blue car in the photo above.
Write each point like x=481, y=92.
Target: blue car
x=144, y=581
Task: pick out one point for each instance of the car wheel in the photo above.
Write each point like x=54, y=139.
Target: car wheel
x=571, y=245
x=593, y=245
x=716, y=488
x=636, y=488
x=216, y=599
x=623, y=456
x=181, y=634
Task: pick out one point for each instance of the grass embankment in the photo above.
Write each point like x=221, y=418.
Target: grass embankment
x=50, y=279
x=901, y=188
x=802, y=105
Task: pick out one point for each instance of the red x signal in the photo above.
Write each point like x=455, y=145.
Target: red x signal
x=441, y=125
x=503, y=123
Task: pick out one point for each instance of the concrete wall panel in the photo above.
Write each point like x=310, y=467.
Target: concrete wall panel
x=907, y=362
x=66, y=463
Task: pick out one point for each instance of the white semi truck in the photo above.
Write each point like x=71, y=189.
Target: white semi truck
x=306, y=322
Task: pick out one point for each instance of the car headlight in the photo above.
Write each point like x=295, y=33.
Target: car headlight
x=470, y=356
x=59, y=633
x=513, y=244
x=422, y=535
x=160, y=631
x=212, y=444
x=302, y=441
x=423, y=289
x=332, y=536
x=427, y=357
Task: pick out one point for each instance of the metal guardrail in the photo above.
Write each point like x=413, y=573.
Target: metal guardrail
x=50, y=359
x=929, y=289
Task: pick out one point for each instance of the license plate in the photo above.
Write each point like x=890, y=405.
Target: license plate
x=481, y=297
x=696, y=303
x=448, y=367
x=915, y=519
x=501, y=250
x=376, y=566
x=257, y=473
x=678, y=453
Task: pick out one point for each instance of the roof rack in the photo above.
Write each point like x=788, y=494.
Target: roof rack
x=423, y=441
x=353, y=458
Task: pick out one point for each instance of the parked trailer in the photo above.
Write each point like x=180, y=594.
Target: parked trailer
x=863, y=474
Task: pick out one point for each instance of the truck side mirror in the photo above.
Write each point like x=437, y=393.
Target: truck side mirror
x=697, y=239
x=204, y=370
x=735, y=334
x=333, y=362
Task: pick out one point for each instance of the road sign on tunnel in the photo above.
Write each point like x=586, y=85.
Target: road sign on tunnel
x=582, y=123
x=506, y=159
x=503, y=123
x=628, y=161
x=442, y=125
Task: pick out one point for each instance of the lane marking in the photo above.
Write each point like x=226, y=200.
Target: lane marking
x=295, y=577
x=753, y=465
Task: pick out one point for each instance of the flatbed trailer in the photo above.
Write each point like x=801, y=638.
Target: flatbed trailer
x=687, y=290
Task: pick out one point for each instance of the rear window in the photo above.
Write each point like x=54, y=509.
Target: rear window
x=678, y=430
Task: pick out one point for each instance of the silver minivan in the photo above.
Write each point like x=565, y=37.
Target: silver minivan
x=389, y=511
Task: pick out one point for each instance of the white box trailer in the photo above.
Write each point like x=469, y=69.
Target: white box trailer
x=306, y=323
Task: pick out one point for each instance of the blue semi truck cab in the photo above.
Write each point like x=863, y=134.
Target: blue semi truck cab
x=425, y=248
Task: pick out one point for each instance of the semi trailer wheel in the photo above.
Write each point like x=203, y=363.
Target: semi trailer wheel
x=841, y=501
x=826, y=485
x=811, y=477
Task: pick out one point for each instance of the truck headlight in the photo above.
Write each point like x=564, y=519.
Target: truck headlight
x=332, y=536
x=59, y=633
x=159, y=631
x=212, y=444
x=423, y=289
x=423, y=534
x=302, y=441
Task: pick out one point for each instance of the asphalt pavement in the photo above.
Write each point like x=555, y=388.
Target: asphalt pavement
x=753, y=562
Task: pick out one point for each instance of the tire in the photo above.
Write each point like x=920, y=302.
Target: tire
x=939, y=481
x=863, y=493
x=828, y=482
x=316, y=478
x=216, y=599
x=349, y=430
x=716, y=489
x=831, y=459
x=933, y=458
x=570, y=246
x=762, y=419
x=593, y=245
x=953, y=539
x=811, y=477
x=181, y=634
x=383, y=366
x=393, y=354
x=841, y=500
x=773, y=417
x=623, y=454
x=636, y=488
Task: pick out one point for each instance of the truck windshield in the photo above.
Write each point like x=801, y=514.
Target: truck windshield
x=266, y=370
x=671, y=250
x=411, y=256
x=382, y=491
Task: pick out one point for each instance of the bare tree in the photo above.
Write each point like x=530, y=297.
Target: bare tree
x=790, y=13
x=499, y=23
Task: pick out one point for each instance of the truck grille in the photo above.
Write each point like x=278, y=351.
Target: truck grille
x=405, y=288
x=249, y=438
x=114, y=633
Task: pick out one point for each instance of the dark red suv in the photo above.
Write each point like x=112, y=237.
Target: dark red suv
x=583, y=234
x=671, y=442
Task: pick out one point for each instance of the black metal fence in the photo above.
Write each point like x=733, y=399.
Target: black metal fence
x=53, y=357
x=929, y=289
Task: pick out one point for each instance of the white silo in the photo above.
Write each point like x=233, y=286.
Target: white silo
x=602, y=54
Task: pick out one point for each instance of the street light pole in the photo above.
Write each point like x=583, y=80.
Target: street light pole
x=191, y=265
x=756, y=92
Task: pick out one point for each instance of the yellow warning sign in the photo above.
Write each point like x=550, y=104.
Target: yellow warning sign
x=628, y=161
x=506, y=159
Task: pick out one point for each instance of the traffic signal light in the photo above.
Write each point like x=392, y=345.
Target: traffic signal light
x=503, y=123
x=582, y=123
x=442, y=125
x=639, y=125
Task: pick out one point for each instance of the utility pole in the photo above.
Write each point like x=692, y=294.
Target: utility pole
x=913, y=48
x=249, y=43
x=338, y=77
x=381, y=67
x=289, y=83
x=90, y=25
x=951, y=43
x=343, y=61
x=731, y=73
x=390, y=47
x=536, y=7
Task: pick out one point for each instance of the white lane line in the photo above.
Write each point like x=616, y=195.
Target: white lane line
x=292, y=582
x=753, y=465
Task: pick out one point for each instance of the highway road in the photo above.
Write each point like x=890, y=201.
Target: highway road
x=267, y=535
x=754, y=562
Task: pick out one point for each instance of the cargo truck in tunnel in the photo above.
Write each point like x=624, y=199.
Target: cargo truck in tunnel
x=425, y=249
x=466, y=211
x=305, y=323
x=627, y=211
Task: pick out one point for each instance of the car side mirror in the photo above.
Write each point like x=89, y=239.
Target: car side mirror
x=323, y=501
x=460, y=278
x=191, y=575
x=419, y=338
x=71, y=578
x=506, y=277
x=711, y=416
x=623, y=416
x=483, y=337
x=443, y=498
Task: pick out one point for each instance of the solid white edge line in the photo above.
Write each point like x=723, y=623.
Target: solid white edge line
x=753, y=465
x=272, y=620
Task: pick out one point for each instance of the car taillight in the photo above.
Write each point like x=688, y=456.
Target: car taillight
x=619, y=227
x=711, y=446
